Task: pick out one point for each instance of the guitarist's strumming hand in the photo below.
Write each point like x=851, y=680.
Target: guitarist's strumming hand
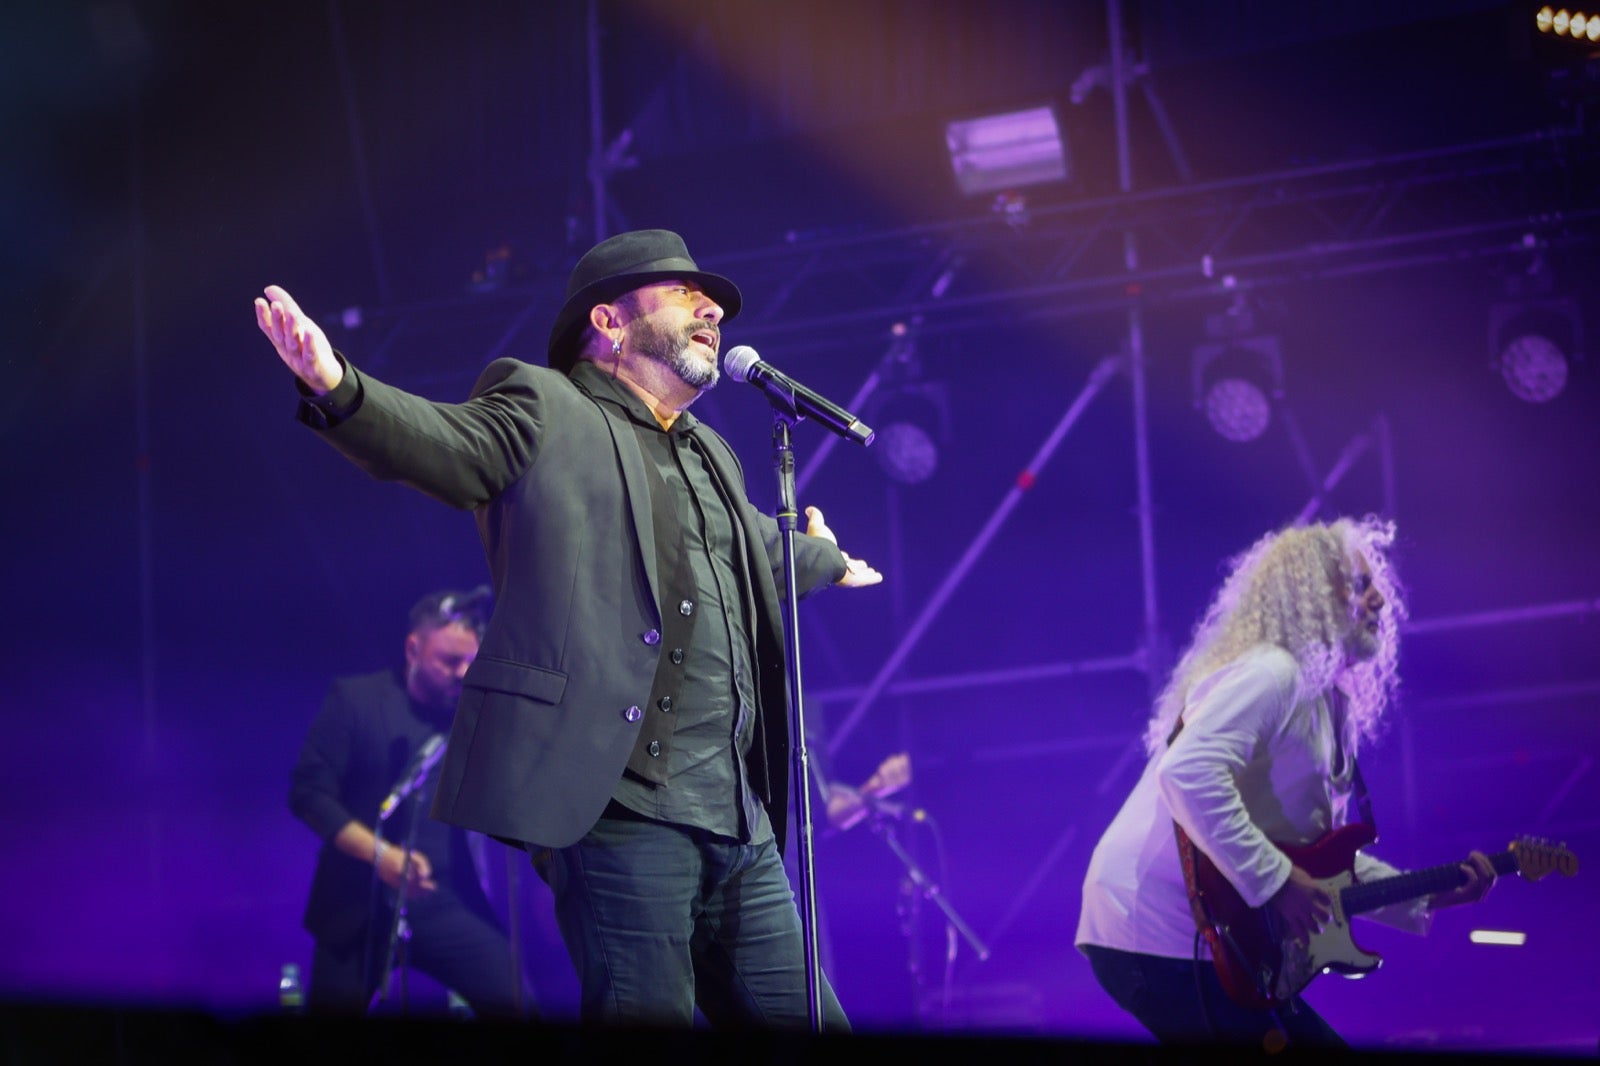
x=1301, y=907
x=1480, y=876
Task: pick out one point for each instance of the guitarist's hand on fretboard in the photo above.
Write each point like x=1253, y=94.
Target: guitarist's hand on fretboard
x=1301, y=906
x=1479, y=873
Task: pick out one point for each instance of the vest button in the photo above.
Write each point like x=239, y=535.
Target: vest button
x=686, y=608
x=633, y=714
x=651, y=637
x=677, y=656
x=665, y=703
x=655, y=748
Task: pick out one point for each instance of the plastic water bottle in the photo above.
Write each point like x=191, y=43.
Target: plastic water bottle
x=457, y=1006
x=291, y=995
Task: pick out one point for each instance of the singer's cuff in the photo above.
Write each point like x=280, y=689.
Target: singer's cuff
x=326, y=411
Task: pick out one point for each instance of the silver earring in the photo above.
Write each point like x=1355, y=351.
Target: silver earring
x=616, y=346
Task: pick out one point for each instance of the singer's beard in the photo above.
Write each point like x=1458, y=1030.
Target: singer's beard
x=432, y=692
x=1360, y=644
x=674, y=348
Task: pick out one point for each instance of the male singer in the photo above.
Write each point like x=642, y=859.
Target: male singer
x=627, y=719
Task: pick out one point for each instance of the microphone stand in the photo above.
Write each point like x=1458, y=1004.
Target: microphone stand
x=399, y=929
x=513, y=920
x=882, y=816
x=882, y=822
x=787, y=516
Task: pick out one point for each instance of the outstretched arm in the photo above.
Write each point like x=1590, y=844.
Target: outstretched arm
x=299, y=341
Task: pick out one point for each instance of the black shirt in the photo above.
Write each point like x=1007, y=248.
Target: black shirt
x=702, y=707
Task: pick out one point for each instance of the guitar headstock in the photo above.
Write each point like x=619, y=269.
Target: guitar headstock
x=1536, y=858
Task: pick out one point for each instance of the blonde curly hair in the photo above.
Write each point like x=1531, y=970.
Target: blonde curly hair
x=1284, y=590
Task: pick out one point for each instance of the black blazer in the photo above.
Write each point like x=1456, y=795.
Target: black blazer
x=557, y=482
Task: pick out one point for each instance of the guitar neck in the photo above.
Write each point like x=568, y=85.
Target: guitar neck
x=1370, y=895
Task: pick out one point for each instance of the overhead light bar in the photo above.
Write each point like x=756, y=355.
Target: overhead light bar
x=1559, y=22
x=1004, y=152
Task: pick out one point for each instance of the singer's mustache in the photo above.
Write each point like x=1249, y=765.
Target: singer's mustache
x=712, y=331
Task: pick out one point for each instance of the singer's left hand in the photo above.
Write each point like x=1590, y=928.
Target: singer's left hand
x=858, y=573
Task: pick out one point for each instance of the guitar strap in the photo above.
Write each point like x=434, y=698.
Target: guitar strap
x=1203, y=920
x=1358, y=789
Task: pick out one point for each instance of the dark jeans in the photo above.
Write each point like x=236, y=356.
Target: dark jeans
x=461, y=950
x=1183, y=1002
x=660, y=919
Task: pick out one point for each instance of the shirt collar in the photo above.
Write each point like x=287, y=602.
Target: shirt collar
x=602, y=386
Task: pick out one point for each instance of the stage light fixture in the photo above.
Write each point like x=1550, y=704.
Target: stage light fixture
x=1001, y=153
x=1236, y=383
x=906, y=452
x=913, y=421
x=1533, y=343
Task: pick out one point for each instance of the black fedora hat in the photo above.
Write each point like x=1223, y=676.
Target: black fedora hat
x=620, y=264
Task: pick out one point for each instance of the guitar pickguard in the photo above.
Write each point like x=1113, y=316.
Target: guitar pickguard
x=1335, y=948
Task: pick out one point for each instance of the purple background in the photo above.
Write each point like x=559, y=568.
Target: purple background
x=187, y=567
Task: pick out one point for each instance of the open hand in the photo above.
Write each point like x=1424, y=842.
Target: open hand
x=300, y=342
x=857, y=572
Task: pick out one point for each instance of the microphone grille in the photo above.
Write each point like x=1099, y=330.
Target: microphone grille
x=738, y=361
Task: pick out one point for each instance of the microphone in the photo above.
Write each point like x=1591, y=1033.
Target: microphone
x=426, y=758
x=459, y=603
x=743, y=364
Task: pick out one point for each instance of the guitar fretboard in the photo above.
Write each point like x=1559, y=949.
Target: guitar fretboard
x=1360, y=898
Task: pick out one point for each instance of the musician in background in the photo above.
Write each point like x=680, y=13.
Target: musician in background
x=1252, y=741
x=363, y=745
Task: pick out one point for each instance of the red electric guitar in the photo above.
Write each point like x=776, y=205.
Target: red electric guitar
x=1261, y=968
